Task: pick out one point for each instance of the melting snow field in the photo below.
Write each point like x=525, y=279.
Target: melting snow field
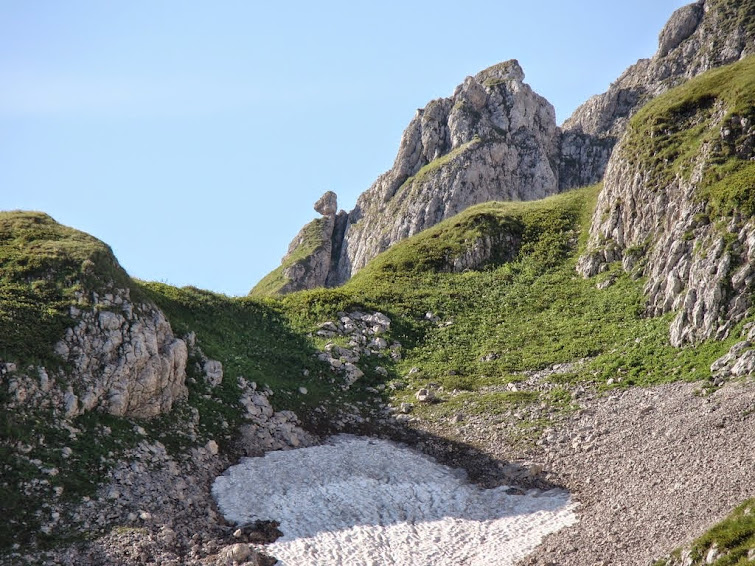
x=361, y=501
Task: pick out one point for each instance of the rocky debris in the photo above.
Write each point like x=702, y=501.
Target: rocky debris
x=156, y=505
x=240, y=553
x=697, y=37
x=268, y=430
x=699, y=268
x=365, y=333
x=259, y=532
x=739, y=361
x=628, y=458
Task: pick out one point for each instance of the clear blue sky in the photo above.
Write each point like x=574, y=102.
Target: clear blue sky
x=194, y=137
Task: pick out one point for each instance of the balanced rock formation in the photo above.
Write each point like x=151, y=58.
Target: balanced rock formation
x=310, y=254
x=697, y=37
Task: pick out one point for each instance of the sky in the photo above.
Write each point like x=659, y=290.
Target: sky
x=193, y=137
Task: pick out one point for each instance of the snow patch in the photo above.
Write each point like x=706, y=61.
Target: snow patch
x=363, y=501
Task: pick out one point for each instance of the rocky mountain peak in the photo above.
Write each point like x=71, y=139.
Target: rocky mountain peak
x=494, y=138
x=507, y=71
x=697, y=37
x=681, y=25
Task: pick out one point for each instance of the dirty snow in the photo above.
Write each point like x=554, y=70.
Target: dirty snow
x=362, y=501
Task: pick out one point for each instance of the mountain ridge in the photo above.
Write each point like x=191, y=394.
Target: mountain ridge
x=503, y=162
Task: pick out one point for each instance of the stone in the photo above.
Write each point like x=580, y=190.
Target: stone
x=212, y=447
x=425, y=395
x=130, y=366
x=327, y=205
x=712, y=555
x=238, y=552
x=213, y=373
x=681, y=25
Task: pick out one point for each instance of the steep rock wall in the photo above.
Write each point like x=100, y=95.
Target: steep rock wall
x=676, y=205
x=494, y=139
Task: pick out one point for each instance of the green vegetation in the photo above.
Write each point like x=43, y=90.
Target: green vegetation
x=309, y=240
x=667, y=134
x=733, y=540
x=44, y=266
x=472, y=334
x=734, y=15
x=530, y=312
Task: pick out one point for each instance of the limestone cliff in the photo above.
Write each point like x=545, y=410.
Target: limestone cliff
x=697, y=37
x=493, y=139
x=124, y=358
x=677, y=205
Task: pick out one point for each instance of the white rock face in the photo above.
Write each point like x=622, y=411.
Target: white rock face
x=493, y=139
x=366, y=501
x=701, y=269
x=125, y=358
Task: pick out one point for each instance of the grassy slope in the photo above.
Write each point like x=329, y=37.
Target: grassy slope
x=43, y=265
x=531, y=313
x=310, y=240
x=667, y=135
x=733, y=538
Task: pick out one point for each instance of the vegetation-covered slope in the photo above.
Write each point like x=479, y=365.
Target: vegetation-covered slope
x=44, y=265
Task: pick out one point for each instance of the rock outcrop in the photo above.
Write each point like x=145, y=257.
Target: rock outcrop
x=697, y=37
x=120, y=357
x=310, y=254
x=124, y=357
x=493, y=139
x=682, y=218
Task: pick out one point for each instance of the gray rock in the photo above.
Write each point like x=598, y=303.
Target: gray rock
x=327, y=205
x=238, y=553
x=493, y=139
x=127, y=365
x=680, y=26
x=213, y=372
x=425, y=395
x=690, y=267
